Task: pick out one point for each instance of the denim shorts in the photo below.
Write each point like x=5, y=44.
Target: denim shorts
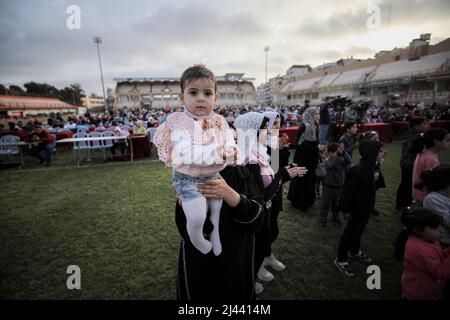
x=186, y=186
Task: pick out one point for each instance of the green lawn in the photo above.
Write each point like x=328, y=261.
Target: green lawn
x=116, y=222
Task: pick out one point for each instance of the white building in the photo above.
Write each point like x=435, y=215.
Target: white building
x=92, y=102
x=418, y=73
x=233, y=90
x=263, y=95
x=296, y=71
x=267, y=93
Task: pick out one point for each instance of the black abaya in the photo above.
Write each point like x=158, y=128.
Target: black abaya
x=231, y=275
x=302, y=189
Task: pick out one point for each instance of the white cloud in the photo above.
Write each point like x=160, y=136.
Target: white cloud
x=160, y=38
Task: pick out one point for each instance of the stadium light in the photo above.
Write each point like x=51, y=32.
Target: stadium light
x=266, y=49
x=98, y=40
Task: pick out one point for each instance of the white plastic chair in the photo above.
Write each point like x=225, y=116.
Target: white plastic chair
x=82, y=130
x=81, y=145
x=150, y=133
x=9, y=151
x=95, y=145
x=108, y=143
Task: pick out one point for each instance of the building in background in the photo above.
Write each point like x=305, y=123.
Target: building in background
x=93, y=102
x=15, y=107
x=268, y=93
x=233, y=90
x=418, y=73
x=296, y=71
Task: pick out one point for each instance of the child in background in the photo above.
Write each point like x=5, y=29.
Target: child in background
x=195, y=144
x=139, y=128
x=120, y=130
x=433, y=141
x=381, y=184
x=437, y=183
x=425, y=266
x=358, y=201
x=335, y=166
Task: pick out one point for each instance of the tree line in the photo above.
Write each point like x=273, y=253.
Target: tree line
x=71, y=94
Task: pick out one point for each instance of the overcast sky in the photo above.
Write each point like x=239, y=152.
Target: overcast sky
x=157, y=38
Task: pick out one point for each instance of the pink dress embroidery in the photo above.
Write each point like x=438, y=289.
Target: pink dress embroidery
x=198, y=140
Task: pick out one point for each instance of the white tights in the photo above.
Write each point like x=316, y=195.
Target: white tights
x=195, y=211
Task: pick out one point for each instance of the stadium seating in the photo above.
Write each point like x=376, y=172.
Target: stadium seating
x=403, y=68
x=301, y=85
x=352, y=76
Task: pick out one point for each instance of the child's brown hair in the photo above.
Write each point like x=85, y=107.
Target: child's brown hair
x=198, y=71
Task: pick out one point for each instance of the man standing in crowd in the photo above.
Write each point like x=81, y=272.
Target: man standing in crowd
x=302, y=109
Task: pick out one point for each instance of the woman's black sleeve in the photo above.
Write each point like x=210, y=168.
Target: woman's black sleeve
x=248, y=215
x=280, y=177
x=284, y=157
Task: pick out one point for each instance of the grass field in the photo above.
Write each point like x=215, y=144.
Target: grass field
x=116, y=222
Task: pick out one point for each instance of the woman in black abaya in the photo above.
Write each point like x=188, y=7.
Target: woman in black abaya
x=302, y=189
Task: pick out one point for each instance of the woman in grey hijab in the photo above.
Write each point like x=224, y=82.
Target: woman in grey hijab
x=302, y=189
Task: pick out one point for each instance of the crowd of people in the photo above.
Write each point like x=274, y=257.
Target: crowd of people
x=42, y=139
x=140, y=120
x=290, y=115
x=245, y=220
x=230, y=193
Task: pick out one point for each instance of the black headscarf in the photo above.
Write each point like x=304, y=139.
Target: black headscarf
x=369, y=149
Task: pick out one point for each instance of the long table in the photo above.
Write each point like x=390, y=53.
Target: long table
x=23, y=135
x=90, y=139
x=143, y=146
x=401, y=127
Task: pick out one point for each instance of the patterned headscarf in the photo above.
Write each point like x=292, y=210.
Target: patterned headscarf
x=272, y=117
x=310, y=127
x=247, y=126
